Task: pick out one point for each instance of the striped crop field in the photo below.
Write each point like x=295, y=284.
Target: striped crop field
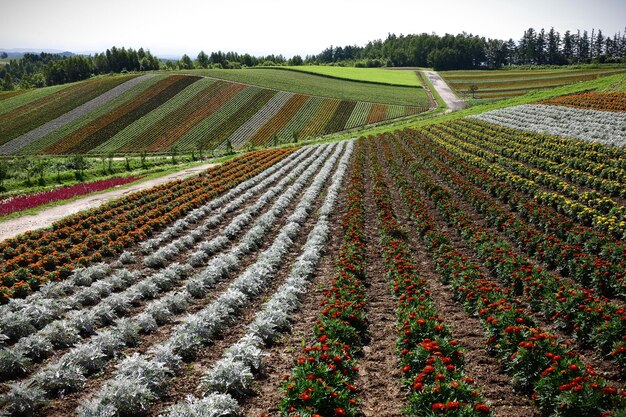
x=26, y=117
x=509, y=83
x=461, y=268
x=160, y=112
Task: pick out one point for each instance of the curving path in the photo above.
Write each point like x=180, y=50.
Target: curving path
x=446, y=93
x=45, y=218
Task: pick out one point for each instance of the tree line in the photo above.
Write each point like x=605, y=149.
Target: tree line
x=45, y=69
x=462, y=51
x=467, y=51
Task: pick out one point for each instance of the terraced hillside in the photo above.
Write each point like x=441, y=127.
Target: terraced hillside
x=159, y=112
x=509, y=83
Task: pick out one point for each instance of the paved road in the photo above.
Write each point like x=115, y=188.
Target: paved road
x=45, y=218
x=444, y=91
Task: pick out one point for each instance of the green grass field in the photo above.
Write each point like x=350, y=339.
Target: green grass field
x=300, y=82
x=367, y=75
x=510, y=83
x=611, y=83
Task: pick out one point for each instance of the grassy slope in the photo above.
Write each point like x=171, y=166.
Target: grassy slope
x=299, y=82
x=609, y=83
x=368, y=75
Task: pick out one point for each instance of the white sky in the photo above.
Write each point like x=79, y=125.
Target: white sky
x=258, y=27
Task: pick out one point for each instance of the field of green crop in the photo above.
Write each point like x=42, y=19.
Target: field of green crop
x=509, y=83
x=300, y=82
x=165, y=111
x=368, y=75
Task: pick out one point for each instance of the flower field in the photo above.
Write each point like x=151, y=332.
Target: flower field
x=592, y=100
x=27, y=201
x=458, y=269
x=586, y=124
x=159, y=112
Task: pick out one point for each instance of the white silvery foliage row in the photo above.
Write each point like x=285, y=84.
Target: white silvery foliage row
x=24, y=319
x=196, y=215
x=233, y=373
x=48, y=303
x=197, y=330
x=162, y=255
x=65, y=332
x=245, y=218
x=220, y=266
x=589, y=125
x=68, y=372
x=213, y=405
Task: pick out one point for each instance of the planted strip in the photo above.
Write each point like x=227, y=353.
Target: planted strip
x=316, y=123
x=241, y=136
x=224, y=130
x=27, y=201
x=340, y=117
x=276, y=123
x=108, y=125
x=377, y=114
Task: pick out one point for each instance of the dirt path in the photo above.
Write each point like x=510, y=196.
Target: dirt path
x=45, y=218
x=446, y=93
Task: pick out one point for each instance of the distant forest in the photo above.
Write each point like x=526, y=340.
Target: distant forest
x=448, y=52
x=45, y=69
x=465, y=51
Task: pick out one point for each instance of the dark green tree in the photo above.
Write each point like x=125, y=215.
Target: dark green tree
x=185, y=63
x=7, y=82
x=296, y=60
x=203, y=60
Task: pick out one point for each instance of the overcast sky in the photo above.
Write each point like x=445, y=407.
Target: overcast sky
x=261, y=27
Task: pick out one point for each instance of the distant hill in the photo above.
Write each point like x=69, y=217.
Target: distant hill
x=15, y=53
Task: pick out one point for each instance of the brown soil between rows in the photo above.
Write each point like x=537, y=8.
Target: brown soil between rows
x=486, y=370
x=381, y=391
x=283, y=355
x=187, y=382
x=603, y=366
x=616, y=299
x=66, y=405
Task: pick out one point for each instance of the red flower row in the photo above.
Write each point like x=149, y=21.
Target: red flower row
x=27, y=201
x=432, y=361
x=323, y=381
x=551, y=371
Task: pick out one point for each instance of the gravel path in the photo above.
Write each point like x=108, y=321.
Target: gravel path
x=18, y=143
x=446, y=93
x=45, y=218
